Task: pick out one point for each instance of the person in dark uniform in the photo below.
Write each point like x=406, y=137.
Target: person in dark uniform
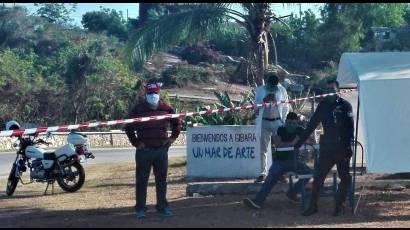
x=284, y=161
x=336, y=117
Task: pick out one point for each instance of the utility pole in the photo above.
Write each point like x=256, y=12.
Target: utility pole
x=127, y=15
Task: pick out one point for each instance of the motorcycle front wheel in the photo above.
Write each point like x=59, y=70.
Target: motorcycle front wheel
x=73, y=179
x=12, y=181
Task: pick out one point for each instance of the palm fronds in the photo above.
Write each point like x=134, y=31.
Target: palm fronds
x=198, y=22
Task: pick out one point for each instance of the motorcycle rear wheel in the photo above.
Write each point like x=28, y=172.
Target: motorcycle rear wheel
x=12, y=182
x=77, y=177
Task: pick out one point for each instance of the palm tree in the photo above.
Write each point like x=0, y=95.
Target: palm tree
x=203, y=20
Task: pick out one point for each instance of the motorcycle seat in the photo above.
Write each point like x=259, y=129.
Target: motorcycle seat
x=49, y=156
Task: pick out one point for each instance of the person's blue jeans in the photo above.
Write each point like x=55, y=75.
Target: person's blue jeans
x=277, y=169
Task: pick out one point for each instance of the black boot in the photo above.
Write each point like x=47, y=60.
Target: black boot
x=339, y=210
x=310, y=211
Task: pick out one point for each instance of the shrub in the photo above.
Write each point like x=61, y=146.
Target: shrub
x=181, y=75
x=197, y=53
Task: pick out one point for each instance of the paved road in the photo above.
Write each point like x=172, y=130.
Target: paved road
x=101, y=156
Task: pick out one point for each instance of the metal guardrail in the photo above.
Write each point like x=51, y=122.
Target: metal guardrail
x=110, y=133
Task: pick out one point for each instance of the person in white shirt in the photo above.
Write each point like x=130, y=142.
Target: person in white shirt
x=271, y=117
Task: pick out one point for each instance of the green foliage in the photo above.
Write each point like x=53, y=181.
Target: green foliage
x=346, y=27
x=152, y=11
x=196, y=53
x=232, y=40
x=379, y=14
x=227, y=118
x=181, y=75
x=17, y=29
x=106, y=20
x=59, y=75
x=201, y=21
x=52, y=73
x=313, y=43
x=339, y=33
x=165, y=97
x=56, y=12
x=407, y=14
x=112, y=82
x=319, y=77
x=298, y=45
x=25, y=94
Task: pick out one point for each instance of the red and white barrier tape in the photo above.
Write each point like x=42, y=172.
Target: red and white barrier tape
x=65, y=128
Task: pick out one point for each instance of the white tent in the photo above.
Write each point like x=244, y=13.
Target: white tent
x=383, y=82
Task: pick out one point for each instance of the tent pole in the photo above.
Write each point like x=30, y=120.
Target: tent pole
x=355, y=153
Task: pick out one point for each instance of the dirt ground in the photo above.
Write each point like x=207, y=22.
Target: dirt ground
x=107, y=200
x=235, y=91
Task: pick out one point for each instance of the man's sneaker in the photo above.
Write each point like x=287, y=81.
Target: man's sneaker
x=292, y=197
x=248, y=202
x=140, y=214
x=260, y=179
x=339, y=210
x=165, y=212
x=310, y=211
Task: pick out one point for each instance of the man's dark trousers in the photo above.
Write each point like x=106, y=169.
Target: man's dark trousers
x=158, y=159
x=327, y=159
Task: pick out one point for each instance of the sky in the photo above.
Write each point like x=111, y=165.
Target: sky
x=281, y=8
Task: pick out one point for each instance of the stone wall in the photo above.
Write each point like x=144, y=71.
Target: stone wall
x=96, y=140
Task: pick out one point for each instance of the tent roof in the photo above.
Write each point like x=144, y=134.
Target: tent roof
x=356, y=67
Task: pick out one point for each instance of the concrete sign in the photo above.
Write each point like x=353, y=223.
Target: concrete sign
x=224, y=152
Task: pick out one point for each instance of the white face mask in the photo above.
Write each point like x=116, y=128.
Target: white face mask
x=152, y=99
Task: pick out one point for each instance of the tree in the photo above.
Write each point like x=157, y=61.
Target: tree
x=297, y=45
x=379, y=14
x=106, y=20
x=51, y=74
x=347, y=27
x=26, y=96
x=17, y=28
x=144, y=9
x=195, y=21
x=152, y=11
x=340, y=31
x=56, y=12
x=407, y=15
x=99, y=85
x=232, y=40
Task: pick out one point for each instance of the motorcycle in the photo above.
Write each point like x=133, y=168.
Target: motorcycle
x=62, y=165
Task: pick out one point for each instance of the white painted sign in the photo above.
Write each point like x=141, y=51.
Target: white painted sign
x=224, y=152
